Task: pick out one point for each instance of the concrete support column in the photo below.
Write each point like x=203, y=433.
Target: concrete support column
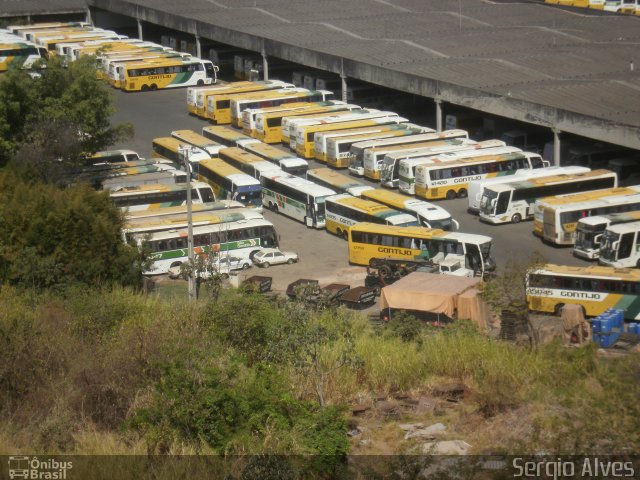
x=344, y=87
x=438, y=114
x=88, y=18
x=139, y=29
x=556, y=147
x=265, y=66
x=198, y=47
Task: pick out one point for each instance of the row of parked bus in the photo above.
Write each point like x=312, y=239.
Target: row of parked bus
x=127, y=63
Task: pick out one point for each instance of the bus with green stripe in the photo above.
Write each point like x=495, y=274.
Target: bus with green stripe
x=175, y=150
x=249, y=163
x=441, y=178
x=20, y=54
x=244, y=238
x=590, y=229
x=344, y=211
x=116, y=66
x=297, y=198
x=110, y=179
x=199, y=141
x=151, y=197
x=133, y=226
x=513, y=202
x=595, y=288
x=230, y=183
x=167, y=73
x=555, y=218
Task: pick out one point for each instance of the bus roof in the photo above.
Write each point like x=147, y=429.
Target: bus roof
x=466, y=157
x=179, y=220
x=266, y=150
x=552, y=180
x=279, y=94
x=221, y=167
x=111, y=153
x=313, y=109
x=182, y=232
x=163, y=62
x=305, y=186
x=182, y=209
x=122, y=191
x=194, y=138
x=624, y=227
x=598, y=271
x=226, y=132
x=372, y=208
x=393, y=143
x=613, y=218
x=335, y=178
x=585, y=198
x=422, y=232
x=435, y=146
x=293, y=107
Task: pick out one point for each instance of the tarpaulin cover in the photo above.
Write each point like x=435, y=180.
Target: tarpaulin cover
x=427, y=292
x=472, y=307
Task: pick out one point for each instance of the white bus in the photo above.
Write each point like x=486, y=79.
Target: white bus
x=297, y=198
x=556, y=218
x=513, y=202
x=621, y=245
x=429, y=214
x=438, y=179
x=288, y=162
x=356, y=167
x=590, y=229
x=476, y=187
x=146, y=197
x=390, y=170
x=227, y=136
x=289, y=124
x=242, y=239
x=408, y=168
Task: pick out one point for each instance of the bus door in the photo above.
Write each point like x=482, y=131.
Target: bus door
x=211, y=70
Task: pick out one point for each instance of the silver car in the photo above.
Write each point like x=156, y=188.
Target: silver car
x=273, y=256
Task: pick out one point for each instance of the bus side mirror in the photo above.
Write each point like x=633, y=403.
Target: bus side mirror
x=493, y=202
x=546, y=163
x=456, y=225
x=615, y=245
x=596, y=239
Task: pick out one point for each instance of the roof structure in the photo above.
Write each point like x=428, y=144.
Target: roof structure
x=19, y=8
x=567, y=69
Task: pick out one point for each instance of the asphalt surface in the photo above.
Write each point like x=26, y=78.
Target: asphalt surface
x=323, y=256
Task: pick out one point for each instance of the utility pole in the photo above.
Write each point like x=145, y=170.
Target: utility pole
x=184, y=152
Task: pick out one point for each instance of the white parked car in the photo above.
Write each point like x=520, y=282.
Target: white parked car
x=273, y=256
x=223, y=266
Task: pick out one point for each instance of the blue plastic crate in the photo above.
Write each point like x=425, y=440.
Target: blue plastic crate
x=608, y=340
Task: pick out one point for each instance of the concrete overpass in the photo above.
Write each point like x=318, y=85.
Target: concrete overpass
x=557, y=68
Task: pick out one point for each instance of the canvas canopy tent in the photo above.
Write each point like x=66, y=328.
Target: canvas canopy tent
x=444, y=294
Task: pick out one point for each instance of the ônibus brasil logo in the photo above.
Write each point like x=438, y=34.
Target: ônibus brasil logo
x=34, y=468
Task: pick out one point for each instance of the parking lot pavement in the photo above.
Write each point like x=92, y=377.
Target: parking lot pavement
x=323, y=256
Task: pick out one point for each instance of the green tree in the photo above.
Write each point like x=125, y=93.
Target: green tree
x=47, y=122
x=52, y=237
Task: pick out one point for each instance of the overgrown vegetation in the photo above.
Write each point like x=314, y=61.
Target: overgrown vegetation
x=233, y=376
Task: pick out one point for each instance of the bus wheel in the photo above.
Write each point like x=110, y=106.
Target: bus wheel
x=345, y=235
x=253, y=254
x=462, y=193
x=144, y=88
x=270, y=205
x=245, y=266
x=153, y=86
x=516, y=218
x=200, y=83
x=339, y=232
x=557, y=310
x=275, y=208
x=451, y=194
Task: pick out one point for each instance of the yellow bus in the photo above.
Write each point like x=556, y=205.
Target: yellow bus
x=102, y=46
x=227, y=136
x=370, y=241
x=116, y=67
x=50, y=43
x=249, y=115
x=167, y=73
x=276, y=98
x=182, y=209
x=595, y=288
x=269, y=125
x=194, y=92
x=338, y=149
x=289, y=123
x=344, y=211
x=321, y=139
x=305, y=134
x=172, y=149
x=25, y=30
x=192, y=138
x=439, y=178
x=229, y=183
x=217, y=106
x=125, y=52
x=555, y=218
x=153, y=197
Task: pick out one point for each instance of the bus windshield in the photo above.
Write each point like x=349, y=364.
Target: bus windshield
x=250, y=196
x=606, y=247
x=207, y=195
x=445, y=224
